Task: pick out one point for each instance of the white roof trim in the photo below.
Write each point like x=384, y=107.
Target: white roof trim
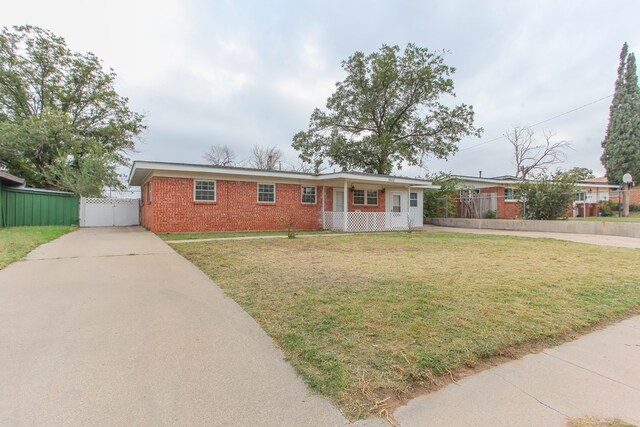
x=139, y=166
x=515, y=182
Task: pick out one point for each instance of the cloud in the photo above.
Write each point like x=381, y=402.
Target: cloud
x=245, y=73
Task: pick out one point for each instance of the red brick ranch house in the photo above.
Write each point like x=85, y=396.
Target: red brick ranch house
x=178, y=197
x=500, y=195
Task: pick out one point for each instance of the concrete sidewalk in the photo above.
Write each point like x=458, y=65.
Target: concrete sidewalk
x=111, y=327
x=592, y=239
x=597, y=375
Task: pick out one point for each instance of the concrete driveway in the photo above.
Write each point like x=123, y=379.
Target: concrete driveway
x=109, y=326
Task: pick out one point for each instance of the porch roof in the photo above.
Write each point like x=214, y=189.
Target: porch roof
x=140, y=170
x=11, y=180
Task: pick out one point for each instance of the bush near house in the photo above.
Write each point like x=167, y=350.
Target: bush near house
x=549, y=197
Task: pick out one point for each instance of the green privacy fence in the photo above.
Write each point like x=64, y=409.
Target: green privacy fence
x=25, y=206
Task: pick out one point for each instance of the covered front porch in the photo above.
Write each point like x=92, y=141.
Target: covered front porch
x=352, y=205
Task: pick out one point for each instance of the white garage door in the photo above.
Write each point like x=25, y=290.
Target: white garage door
x=107, y=212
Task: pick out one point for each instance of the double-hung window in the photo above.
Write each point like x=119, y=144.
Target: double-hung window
x=372, y=197
x=362, y=197
x=204, y=191
x=309, y=195
x=413, y=200
x=266, y=193
x=510, y=194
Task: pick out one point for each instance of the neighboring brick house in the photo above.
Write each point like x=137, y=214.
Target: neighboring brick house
x=634, y=193
x=177, y=197
x=499, y=194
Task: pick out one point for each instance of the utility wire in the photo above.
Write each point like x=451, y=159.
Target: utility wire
x=539, y=123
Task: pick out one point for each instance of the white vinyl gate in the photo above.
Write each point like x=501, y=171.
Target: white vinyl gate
x=108, y=212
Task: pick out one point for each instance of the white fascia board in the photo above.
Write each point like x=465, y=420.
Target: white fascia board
x=587, y=185
x=145, y=167
x=488, y=180
x=426, y=187
x=374, y=179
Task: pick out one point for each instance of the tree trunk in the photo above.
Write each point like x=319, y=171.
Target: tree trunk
x=625, y=200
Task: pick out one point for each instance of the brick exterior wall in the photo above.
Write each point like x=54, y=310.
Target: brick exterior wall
x=172, y=208
x=634, y=196
x=366, y=208
x=506, y=209
x=380, y=207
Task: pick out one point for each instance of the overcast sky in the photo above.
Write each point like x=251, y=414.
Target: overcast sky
x=242, y=73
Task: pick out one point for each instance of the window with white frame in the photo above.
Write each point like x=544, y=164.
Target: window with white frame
x=372, y=197
x=580, y=196
x=309, y=195
x=510, y=194
x=413, y=200
x=362, y=197
x=358, y=197
x=266, y=193
x=204, y=191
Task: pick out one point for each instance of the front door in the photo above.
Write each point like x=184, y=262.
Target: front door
x=338, y=200
x=398, y=210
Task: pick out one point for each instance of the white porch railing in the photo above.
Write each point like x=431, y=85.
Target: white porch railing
x=359, y=222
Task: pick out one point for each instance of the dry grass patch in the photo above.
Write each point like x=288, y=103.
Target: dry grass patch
x=598, y=422
x=16, y=242
x=367, y=317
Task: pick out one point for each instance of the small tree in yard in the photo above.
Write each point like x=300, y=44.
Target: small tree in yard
x=548, y=197
x=288, y=223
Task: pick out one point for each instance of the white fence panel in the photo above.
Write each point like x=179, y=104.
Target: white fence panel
x=359, y=222
x=109, y=212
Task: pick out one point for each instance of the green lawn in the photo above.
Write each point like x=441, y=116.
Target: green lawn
x=16, y=242
x=364, y=317
x=222, y=234
x=633, y=217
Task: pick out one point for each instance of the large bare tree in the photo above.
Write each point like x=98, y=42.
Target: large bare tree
x=532, y=155
x=266, y=158
x=220, y=155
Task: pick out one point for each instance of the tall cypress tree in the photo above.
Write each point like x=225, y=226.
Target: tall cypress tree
x=621, y=145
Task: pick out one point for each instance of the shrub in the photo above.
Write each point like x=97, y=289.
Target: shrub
x=441, y=203
x=548, y=197
x=491, y=214
x=608, y=208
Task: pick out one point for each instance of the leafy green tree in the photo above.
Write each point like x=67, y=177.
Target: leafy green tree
x=55, y=105
x=621, y=145
x=441, y=203
x=548, y=196
x=579, y=174
x=387, y=111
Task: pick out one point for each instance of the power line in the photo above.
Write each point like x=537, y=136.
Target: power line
x=539, y=123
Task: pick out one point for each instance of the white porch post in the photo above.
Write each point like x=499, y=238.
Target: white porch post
x=324, y=202
x=409, y=208
x=346, y=203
